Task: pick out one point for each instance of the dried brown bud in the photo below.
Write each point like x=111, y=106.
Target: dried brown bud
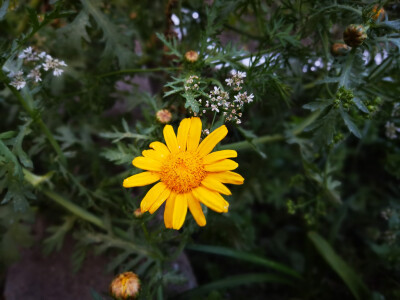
x=164, y=116
x=339, y=49
x=191, y=56
x=125, y=286
x=354, y=35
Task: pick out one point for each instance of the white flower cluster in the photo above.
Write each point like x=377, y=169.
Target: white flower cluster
x=391, y=130
x=192, y=83
x=236, y=80
x=40, y=61
x=219, y=100
x=18, y=80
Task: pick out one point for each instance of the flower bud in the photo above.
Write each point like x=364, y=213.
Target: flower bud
x=125, y=286
x=354, y=35
x=138, y=213
x=191, y=56
x=164, y=116
x=339, y=49
x=378, y=13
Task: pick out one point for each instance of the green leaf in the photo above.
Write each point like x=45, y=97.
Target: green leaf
x=246, y=257
x=3, y=9
x=117, y=45
x=350, y=125
x=191, y=102
x=75, y=32
x=348, y=275
x=231, y=282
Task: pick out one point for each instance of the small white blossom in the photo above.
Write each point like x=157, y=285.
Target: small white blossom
x=35, y=73
x=18, y=81
x=391, y=130
x=214, y=108
x=229, y=81
x=55, y=64
x=29, y=55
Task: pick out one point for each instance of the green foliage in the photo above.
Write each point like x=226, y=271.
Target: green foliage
x=318, y=145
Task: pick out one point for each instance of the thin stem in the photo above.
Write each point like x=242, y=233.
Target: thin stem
x=36, y=117
x=261, y=140
x=75, y=209
x=129, y=71
x=245, y=145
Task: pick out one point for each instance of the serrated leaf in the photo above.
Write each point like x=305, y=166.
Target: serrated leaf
x=75, y=31
x=395, y=24
x=350, y=125
x=117, y=45
x=191, y=102
x=17, y=149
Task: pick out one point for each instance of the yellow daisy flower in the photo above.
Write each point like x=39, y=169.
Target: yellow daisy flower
x=188, y=173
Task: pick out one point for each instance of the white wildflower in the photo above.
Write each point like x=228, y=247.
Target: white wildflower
x=35, y=73
x=391, y=130
x=55, y=64
x=229, y=81
x=214, y=108
x=18, y=80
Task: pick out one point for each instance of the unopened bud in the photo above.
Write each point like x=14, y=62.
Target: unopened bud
x=354, y=35
x=191, y=56
x=125, y=286
x=138, y=213
x=339, y=49
x=164, y=116
x=378, y=13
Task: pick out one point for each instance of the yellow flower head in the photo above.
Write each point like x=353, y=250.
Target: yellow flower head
x=188, y=173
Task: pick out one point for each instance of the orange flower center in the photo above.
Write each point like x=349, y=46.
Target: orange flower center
x=182, y=171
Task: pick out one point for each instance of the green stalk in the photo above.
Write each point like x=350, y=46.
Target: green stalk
x=75, y=209
x=129, y=71
x=245, y=145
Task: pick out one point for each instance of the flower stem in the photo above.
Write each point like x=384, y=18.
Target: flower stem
x=246, y=145
x=130, y=71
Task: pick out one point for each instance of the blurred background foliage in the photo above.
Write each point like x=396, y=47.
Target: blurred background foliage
x=318, y=214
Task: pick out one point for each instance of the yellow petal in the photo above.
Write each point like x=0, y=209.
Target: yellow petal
x=215, y=185
x=222, y=165
x=169, y=210
x=180, y=210
x=219, y=155
x=160, y=147
x=212, y=140
x=170, y=138
x=146, y=163
x=183, y=132
x=152, y=196
x=159, y=200
x=141, y=179
x=196, y=210
x=194, y=134
x=227, y=177
x=211, y=199
x=153, y=154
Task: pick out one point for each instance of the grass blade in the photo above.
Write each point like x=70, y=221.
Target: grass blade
x=246, y=257
x=230, y=282
x=348, y=275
